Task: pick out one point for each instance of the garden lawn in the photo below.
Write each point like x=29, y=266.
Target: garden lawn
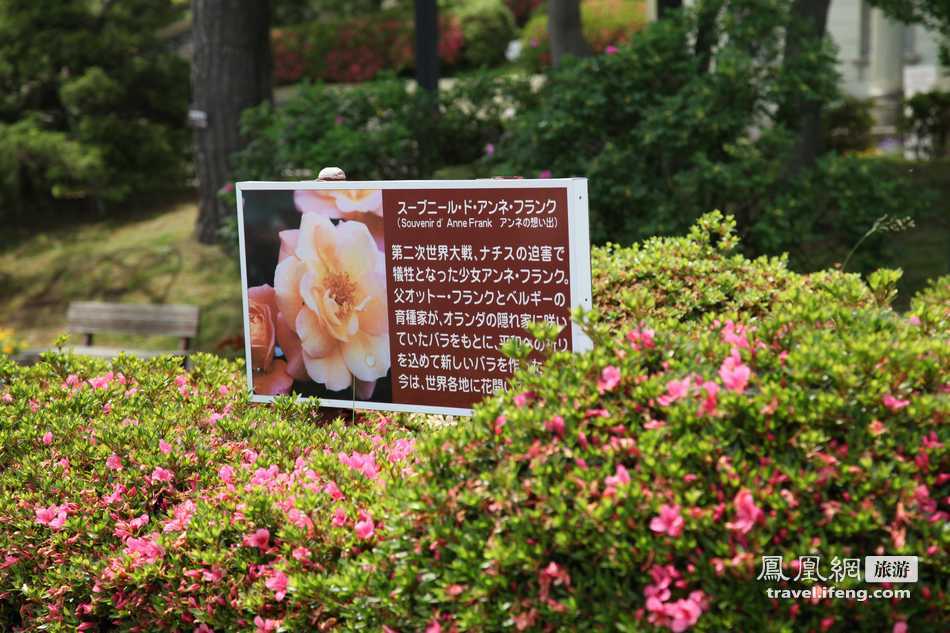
x=150, y=257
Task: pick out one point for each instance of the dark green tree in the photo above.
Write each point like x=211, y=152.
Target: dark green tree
x=92, y=100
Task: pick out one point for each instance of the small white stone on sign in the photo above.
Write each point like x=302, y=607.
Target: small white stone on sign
x=331, y=173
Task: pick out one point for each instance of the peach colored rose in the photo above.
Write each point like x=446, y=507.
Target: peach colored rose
x=362, y=205
x=330, y=289
x=270, y=374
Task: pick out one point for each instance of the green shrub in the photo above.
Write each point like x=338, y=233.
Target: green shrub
x=661, y=148
x=134, y=494
x=605, y=23
x=487, y=28
x=848, y=124
x=927, y=118
x=642, y=483
x=377, y=130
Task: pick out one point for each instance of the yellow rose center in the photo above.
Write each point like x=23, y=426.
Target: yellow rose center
x=342, y=290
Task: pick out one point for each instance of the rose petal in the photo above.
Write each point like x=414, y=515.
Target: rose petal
x=316, y=202
x=367, y=356
x=314, y=338
x=274, y=381
x=293, y=350
x=330, y=370
x=287, y=287
x=374, y=317
x=288, y=244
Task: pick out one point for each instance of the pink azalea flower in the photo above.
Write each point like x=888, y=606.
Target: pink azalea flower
x=620, y=478
x=54, y=516
x=555, y=425
x=675, y=389
x=339, y=517
x=117, y=491
x=226, y=473
x=365, y=528
x=259, y=539
x=277, y=583
x=48, y=438
x=894, y=404
x=735, y=375
x=164, y=447
x=144, y=550
x=611, y=50
x=709, y=403
x=500, y=424
x=747, y=513
x=301, y=554
x=641, y=338
x=114, y=462
x=899, y=627
x=101, y=382
x=669, y=521
x=434, y=627
x=609, y=379
x=544, y=173
x=266, y=625
x=523, y=398
x=489, y=150
x=735, y=335
x=161, y=474
x=300, y=519
x=334, y=491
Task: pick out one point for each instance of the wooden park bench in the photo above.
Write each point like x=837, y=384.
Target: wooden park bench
x=91, y=317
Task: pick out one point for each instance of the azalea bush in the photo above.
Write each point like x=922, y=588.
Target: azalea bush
x=138, y=495
x=637, y=487
x=731, y=409
x=356, y=48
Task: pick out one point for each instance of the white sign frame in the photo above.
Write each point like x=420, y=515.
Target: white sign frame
x=578, y=247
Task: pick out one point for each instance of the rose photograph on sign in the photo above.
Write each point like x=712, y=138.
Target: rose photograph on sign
x=317, y=312
x=403, y=295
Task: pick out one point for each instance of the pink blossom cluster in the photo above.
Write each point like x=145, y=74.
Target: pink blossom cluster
x=361, y=462
x=676, y=615
x=54, y=516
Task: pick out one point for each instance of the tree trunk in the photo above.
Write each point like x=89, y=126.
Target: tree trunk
x=707, y=32
x=807, y=29
x=230, y=71
x=427, y=44
x=564, y=30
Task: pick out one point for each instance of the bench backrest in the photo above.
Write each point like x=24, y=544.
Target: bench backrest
x=90, y=317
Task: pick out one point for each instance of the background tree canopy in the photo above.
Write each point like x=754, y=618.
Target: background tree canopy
x=92, y=101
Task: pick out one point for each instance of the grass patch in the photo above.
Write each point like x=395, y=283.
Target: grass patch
x=150, y=259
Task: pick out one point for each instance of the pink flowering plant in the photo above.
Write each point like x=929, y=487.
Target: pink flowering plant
x=731, y=409
x=138, y=496
x=742, y=410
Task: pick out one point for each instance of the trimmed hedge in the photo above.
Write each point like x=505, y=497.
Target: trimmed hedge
x=731, y=409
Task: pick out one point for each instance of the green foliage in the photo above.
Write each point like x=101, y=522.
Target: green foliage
x=848, y=124
x=92, y=102
x=662, y=138
x=378, y=130
x=487, y=28
x=812, y=424
x=927, y=118
x=604, y=23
